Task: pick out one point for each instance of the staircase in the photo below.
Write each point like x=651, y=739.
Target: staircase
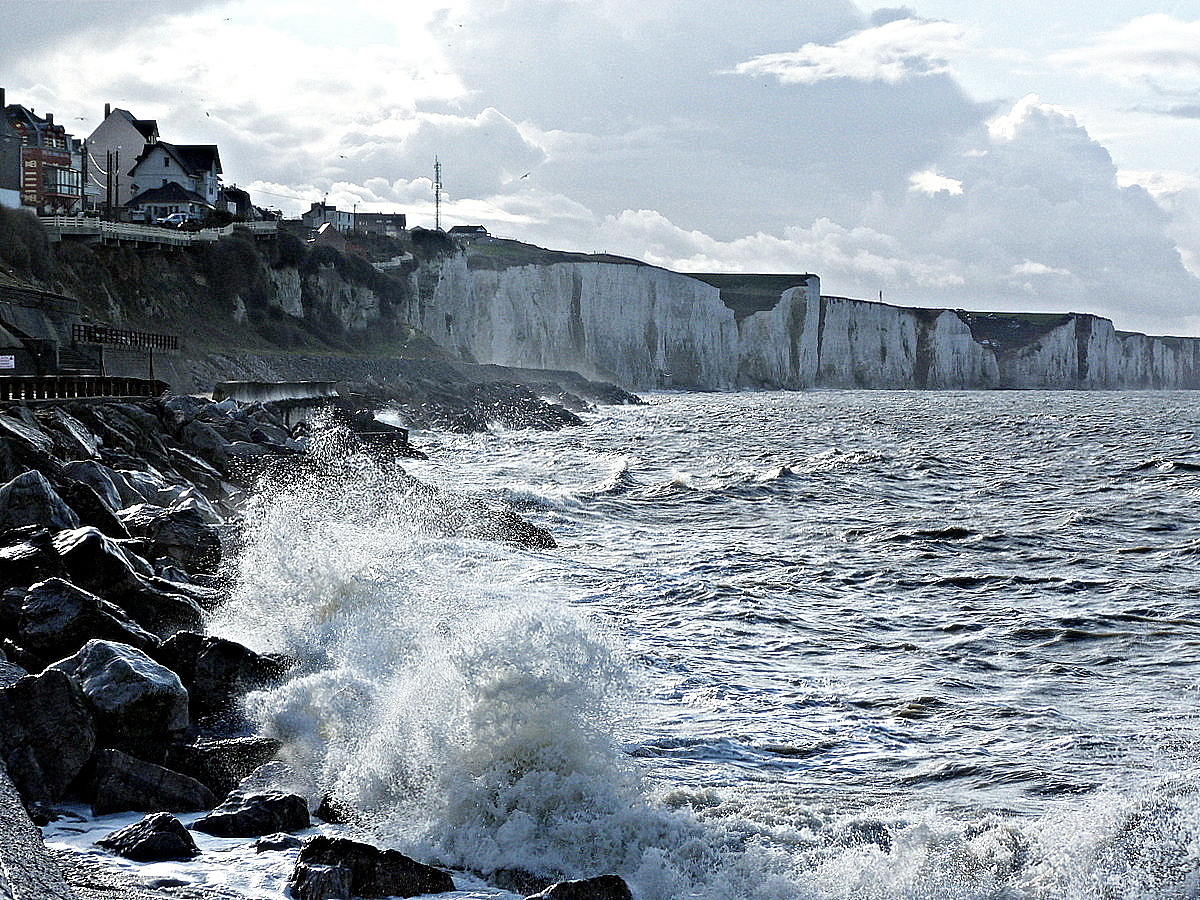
x=76, y=361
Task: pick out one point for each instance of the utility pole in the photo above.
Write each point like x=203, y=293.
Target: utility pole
x=437, y=194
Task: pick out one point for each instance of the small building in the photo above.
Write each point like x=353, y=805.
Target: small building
x=112, y=149
x=194, y=167
x=391, y=225
x=162, y=201
x=51, y=181
x=468, y=233
x=321, y=213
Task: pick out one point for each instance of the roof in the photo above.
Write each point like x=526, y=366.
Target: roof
x=194, y=159
x=148, y=128
x=171, y=192
x=468, y=229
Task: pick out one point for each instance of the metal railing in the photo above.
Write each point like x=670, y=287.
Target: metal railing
x=90, y=226
x=82, y=333
x=70, y=387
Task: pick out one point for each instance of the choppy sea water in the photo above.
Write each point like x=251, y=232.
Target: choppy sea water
x=791, y=645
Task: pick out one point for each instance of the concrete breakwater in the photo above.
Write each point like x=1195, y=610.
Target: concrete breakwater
x=116, y=518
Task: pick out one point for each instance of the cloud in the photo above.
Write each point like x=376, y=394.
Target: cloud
x=929, y=182
x=891, y=52
x=1157, y=51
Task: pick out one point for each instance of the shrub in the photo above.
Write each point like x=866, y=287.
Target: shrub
x=24, y=244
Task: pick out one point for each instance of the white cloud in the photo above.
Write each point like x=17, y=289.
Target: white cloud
x=891, y=52
x=1156, y=50
x=930, y=182
x=1029, y=267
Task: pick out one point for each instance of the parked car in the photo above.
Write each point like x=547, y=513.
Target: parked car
x=179, y=220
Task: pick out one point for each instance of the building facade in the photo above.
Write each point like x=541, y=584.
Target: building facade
x=10, y=161
x=51, y=163
x=112, y=149
x=194, y=167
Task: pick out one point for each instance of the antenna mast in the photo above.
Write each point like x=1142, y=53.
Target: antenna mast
x=437, y=194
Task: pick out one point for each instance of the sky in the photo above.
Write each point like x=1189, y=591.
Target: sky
x=1024, y=156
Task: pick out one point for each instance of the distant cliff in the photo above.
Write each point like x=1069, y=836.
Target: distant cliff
x=648, y=327
x=502, y=302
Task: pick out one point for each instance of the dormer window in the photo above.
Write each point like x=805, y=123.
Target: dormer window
x=166, y=161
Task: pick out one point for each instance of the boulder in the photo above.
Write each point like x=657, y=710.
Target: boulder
x=123, y=783
x=373, y=872
x=156, y=838
x=97, y=562
x=216, y=671
x=137, y=703
x=108, y=485
x=27, y=555
x=91, y=508
x=29, y=499
x=280, y=841
x=57, y=618
x=603, y=887
x=207, y=443
x=46, y=734
x=310, y=881
x=253, y=815
x=184, y=534
x=222, y=763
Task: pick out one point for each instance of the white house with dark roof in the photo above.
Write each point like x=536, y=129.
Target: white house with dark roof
x=112, y=150
x=194, y=167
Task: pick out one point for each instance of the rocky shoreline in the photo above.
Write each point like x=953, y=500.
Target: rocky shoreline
x=115, y=517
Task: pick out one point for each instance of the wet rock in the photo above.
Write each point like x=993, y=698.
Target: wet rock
x=603, y=887
x=46, y=734
x=57, y=618
x=217, y=671
x=275, y=842
x=27, y=555
x=206, y=442
x=29, y=499
x=122, y=783
x=156, y=838
x=138, y=704
x=311, y=881
x=91, y=509
x=373, y=872
x=222, y=763
x=253, y=815
x=183, y=534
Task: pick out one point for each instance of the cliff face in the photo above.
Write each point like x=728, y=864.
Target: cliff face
x=646, y=327
x=637, y=325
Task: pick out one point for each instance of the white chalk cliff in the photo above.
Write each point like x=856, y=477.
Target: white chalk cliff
x=647, y=327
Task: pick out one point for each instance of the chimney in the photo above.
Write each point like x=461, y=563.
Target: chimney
x=1, y=99
x=107, y=110
x=49, y=118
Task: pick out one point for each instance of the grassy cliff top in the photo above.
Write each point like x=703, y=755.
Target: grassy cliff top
x=748, y=294
x=501, y=253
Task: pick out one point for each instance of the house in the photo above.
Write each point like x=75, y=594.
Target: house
x=468, y=232
x=194, y=167
x=51, y=161
x=391, y=225
x=162, y=201
x=112, y=149
x=321, y=213
x=10, y=161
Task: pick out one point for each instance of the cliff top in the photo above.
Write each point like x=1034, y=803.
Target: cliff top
x=501, y=253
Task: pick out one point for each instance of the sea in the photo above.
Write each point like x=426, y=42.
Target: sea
x=827, y=644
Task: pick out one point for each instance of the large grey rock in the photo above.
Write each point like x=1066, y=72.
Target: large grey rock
x=603, y=887
x=123, y=783
x=29, y=499
x=46, y=734
x=108, y=485
x=57, y=618
x=108, y=568
x=253, y=815
x=138, y=704
x=27, y=555
x=373, y=872
x=91, y=508
x=222, y=763
x=184, y=534
x=156, y=838
x=312, y=881
x=216, y=671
